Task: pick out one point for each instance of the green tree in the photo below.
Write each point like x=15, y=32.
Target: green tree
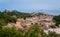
x=52, y=34
x=2, y=22
x=34, y=31
x=56, y=19
x=11, y=32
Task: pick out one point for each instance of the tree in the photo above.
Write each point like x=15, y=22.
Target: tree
x=56, y=19
x=34, y=31
x=52, y=34
x=2, y=22
x=11, y=32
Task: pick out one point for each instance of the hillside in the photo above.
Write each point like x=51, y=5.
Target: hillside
x=11, y=16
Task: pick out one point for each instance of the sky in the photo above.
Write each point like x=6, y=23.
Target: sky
x=30, y=5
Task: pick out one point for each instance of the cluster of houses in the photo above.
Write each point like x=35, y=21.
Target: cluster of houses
x=43, y=19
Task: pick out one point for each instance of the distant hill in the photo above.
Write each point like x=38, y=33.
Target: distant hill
x=54, y=12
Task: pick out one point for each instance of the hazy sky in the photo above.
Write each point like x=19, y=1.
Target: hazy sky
x=29, y=5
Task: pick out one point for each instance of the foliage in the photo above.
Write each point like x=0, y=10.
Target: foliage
x=57, y=20
x=2, y=22
x=52, y=34
x=53, y=26
x=20, y=14
x=34, y=31
x=11, y=32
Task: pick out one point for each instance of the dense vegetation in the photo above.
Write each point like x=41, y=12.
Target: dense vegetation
x=56, y=19
x=34, y=31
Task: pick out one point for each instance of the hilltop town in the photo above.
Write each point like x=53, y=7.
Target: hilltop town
x=43, y=19
x=23, y=24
